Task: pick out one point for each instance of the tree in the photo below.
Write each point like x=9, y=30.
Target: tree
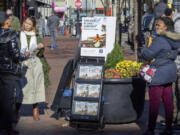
x=150, y=5
x=136, y=28
x=118, y=20
x=119, y=7
x=106, y=6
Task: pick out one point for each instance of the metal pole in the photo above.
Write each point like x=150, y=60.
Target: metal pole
x=139, y=24
x=125, y=15
x=78, y=26
x=120, y=27
x=112, y=9
x=86, y=8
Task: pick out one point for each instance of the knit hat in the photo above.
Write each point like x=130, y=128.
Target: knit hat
x=168, y=12
x=3, y=17
x=159, y=9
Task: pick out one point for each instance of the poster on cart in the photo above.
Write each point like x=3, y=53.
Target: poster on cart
x=98, y=36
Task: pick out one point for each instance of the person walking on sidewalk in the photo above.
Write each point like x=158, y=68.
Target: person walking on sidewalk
x=10, y=71
x=53, y=24
x=32, y=82
x=41, y=26
x=163, y=50
x=47, y=33
x=15, y=23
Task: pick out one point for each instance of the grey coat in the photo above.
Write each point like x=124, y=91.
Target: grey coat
x=162, y=45
x=53, y=22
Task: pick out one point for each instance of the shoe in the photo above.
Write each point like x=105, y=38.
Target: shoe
x=36, y=114
x=166, y=132
x=148, y=132
x=55, y=47
x=52, y=48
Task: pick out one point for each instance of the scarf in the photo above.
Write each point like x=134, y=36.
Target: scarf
x=28, y=46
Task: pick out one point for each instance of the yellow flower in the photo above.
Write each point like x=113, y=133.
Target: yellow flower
x=128, y=68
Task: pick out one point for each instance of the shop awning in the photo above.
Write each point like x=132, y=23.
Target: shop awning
x=60, y=9
x=43, y=4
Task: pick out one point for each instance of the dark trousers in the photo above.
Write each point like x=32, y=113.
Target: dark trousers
x=7, y=103
x=155, y=95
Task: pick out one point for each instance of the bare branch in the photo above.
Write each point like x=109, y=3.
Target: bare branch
x=102, y=3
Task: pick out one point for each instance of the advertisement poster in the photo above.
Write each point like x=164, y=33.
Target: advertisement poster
x=98, y=36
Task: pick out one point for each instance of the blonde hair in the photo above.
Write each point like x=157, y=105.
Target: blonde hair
x=34, y=26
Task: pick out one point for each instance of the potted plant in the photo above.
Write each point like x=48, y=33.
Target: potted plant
x=124, y=91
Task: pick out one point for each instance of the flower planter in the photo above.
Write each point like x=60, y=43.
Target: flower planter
x=124, y=100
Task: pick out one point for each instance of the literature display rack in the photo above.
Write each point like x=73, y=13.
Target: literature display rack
x=87, y=93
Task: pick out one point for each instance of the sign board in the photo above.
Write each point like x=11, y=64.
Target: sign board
x=78, y=3
x=98, y=36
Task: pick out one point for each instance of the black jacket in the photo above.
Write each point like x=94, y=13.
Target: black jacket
x=10, y=56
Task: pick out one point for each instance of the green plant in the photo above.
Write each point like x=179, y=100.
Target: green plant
x=114, y=57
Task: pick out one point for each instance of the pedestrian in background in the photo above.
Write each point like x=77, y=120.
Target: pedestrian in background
x=46, y=27
x=32, y=82
x=10, y=72
x=41, y=26
x=62, y=27
x=53, y=24
x=164, y=51
x=15, y=23
x=175, y=16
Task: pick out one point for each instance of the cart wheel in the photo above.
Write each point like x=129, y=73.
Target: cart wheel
x=102, y=124
x=58, y=113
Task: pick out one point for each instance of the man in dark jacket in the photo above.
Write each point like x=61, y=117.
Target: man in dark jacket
x=53, y=24
x=10, y=69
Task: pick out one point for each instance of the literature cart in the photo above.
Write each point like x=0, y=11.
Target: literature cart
x=87, y=93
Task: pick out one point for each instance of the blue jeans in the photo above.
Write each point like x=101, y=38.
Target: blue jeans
x=53, y=37
x=47, y=30
x=62, y=30
x=40, y=29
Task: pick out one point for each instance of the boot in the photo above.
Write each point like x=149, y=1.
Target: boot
x=36, y=113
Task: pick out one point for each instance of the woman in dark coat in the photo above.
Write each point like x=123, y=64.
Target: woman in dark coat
x=10, y=70
x=163, y=50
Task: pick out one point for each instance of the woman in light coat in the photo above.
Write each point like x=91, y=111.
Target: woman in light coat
x=33, y=89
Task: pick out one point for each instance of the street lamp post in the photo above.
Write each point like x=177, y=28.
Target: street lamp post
x=78, y=25
x=120, y=26
x=139, y=24
x=113, y=2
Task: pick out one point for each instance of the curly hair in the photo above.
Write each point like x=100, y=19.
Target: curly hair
x=34, y=22
x=168, y=22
